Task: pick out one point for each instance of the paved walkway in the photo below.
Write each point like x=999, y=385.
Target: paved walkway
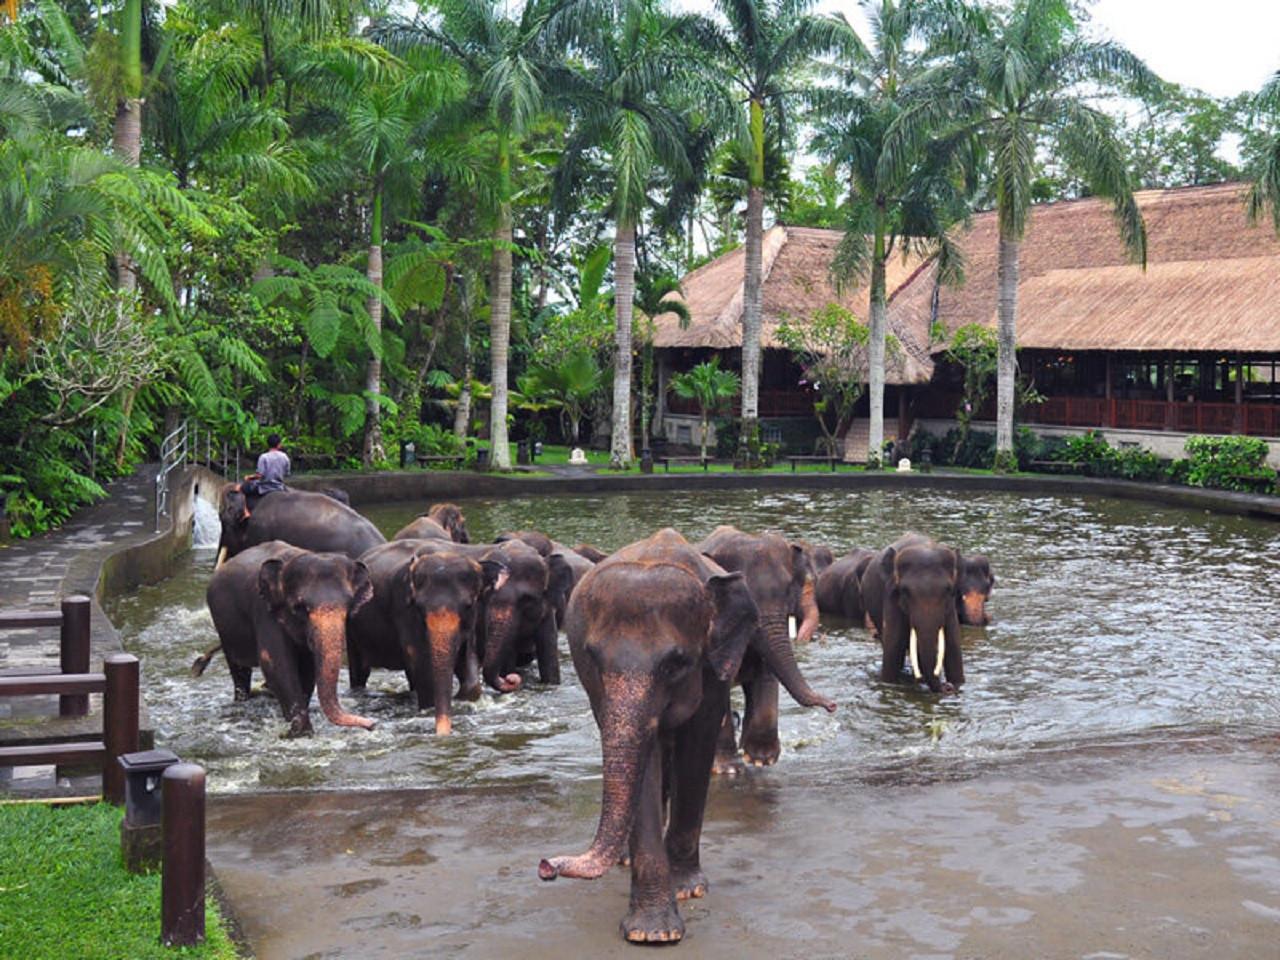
x=36, y=574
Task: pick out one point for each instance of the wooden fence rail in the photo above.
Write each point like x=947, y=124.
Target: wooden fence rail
x=73, y=620
x=118, y=684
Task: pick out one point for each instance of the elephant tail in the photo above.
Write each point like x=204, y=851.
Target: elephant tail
x=201, y=662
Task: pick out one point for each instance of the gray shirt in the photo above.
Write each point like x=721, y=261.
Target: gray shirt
x=274, y=467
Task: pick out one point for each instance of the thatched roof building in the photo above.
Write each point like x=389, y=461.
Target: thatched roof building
x=797, y=284
x=1190, y=343
x=1212, y=282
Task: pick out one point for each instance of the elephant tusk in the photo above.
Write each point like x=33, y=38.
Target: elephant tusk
x=915, y=655
x=222, y=558
x=791, y=627
x=942, y=649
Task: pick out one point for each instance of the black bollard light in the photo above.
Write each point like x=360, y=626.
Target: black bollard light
x=926, y=460
x=646, y=460
x=140, y=836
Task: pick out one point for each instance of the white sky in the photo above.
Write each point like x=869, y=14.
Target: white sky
x=1222, y=47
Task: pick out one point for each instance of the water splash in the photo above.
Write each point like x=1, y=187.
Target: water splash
x=206, y=529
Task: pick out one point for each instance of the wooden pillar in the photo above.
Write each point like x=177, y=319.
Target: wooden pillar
x=119, y=722
x=660, y=405
x=1168, y=394
x=1109, y=416
x=182, y=878
x=74, y=652
x=1239, y=426
x=904, y=414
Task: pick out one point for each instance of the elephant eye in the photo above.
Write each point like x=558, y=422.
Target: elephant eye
x=675, y=664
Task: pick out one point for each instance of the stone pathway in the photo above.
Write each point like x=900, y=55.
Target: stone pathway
x=36, y=574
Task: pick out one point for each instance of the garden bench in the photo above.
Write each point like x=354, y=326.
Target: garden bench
x=452, y=460
x=668, y=461
x=830, y=460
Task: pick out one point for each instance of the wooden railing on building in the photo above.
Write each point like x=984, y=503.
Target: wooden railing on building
x=1183, y=417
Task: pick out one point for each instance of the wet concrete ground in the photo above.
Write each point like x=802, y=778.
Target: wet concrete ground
x=1169, y=851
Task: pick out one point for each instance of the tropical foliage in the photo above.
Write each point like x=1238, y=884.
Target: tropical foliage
x=362, y=223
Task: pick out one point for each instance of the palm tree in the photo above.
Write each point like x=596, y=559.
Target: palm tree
x=503, y=58
x=1014, y=77
x=652, y=290
x=904, y=210
x=709, y=387
x=766, y=42
x=1266, y=187
x=624, y=103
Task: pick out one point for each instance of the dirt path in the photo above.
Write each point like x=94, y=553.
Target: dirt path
x=1141, y=852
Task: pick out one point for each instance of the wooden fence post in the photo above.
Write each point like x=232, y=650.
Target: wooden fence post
x=75, y=652
x=182, y=878
x=119, y=721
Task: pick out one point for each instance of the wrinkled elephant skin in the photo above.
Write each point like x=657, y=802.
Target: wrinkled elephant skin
x=286, y=611
x=910, y=593
x=657, y=632
x=422, y=619
x=311, y=521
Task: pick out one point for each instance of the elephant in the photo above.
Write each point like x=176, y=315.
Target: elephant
x=287, y=610
x=564, y=572
x=839, y=587
x=422, y=619
x=519, y=622
x=444, y=521
x=780, y=578
x=820, y=556
x=909, y=591
x=657, y=633
x=308, y=520
x=590, y=551
x=976, y=581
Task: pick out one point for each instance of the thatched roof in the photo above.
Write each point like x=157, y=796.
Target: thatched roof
x=797, y=284
x=1212, y=282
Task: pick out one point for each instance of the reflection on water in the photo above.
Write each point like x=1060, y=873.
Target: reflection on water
x=1112, y=620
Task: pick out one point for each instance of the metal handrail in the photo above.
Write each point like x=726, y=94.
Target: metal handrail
x=173, y=453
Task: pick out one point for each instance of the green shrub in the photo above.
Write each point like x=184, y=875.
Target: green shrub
x=1226, y=462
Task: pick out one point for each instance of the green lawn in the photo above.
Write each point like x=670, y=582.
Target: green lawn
x=64, y=891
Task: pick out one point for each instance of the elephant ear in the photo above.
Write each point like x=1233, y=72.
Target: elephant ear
x=889, y=565
x=269, y=585
x=410, y=594
x=801, y=565
x=361, y=585
x=495, y=574
x=232, y=511
x=735, y=619
x=559, y=576
x=958, y=569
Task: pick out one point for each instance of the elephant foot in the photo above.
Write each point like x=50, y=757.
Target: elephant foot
x=299, y=727
x=653, y=925
x=241, y=696
x=763, y=752
x=727, y=765
x=690, y=883
x=471, y=693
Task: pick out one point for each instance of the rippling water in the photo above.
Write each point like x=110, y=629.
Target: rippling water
x=1113, y=621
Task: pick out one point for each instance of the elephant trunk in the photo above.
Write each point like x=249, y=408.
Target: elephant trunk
x=628, y=726
x=328, y=637
x=444, y=633
x=973, y=608
x=776, y=650
x=809, y=611
x=498, y=649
